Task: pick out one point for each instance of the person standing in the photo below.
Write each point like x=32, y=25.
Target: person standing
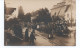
x=26, y=35
x=32, y=37
x=49, y=31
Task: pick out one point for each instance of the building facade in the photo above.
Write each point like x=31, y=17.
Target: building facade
x=64, y=10
x=8, y=12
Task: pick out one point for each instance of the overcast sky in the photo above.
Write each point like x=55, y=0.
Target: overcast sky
x=32, y=5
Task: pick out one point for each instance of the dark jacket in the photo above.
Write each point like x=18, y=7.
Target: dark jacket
x=32, y=37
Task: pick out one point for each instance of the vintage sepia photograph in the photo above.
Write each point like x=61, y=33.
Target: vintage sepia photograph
x=39, y=22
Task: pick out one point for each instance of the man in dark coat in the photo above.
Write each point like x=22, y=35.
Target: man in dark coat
x=32, y=37
x=26, y=34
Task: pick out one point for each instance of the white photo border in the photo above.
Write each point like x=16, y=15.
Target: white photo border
x=2, y=30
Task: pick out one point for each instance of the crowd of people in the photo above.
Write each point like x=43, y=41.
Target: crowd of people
x=59, y=27
x=18, y=32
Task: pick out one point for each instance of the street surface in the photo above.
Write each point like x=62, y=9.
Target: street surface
x=42, y=39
